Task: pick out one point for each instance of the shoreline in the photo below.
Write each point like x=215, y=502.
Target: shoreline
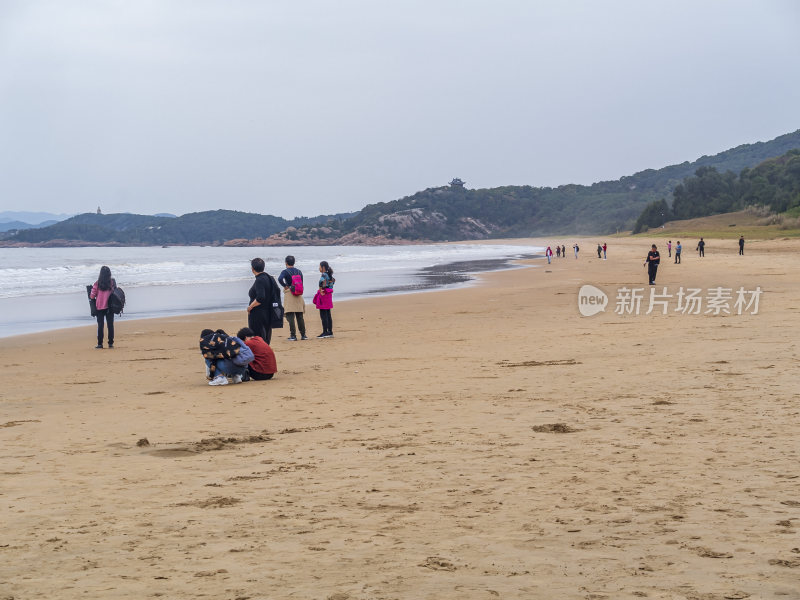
x=483, y=441
x=436, y=277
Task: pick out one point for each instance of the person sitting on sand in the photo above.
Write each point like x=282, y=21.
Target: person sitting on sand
x=263, y=366
x=219, y=351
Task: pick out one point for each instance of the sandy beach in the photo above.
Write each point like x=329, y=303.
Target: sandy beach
x=482, y=442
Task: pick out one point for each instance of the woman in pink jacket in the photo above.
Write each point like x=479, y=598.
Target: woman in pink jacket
x=323, y=299
x=101, y=290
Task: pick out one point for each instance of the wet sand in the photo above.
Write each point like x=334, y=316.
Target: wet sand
x=480, y=442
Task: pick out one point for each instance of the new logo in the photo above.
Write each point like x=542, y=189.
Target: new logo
x=591, y=300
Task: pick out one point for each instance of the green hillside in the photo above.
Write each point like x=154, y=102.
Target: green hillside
x=456, y=213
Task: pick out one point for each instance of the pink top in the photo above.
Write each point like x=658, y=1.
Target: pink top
x=101, y=295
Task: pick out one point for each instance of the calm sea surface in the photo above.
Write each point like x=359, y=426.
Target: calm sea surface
x=44, y=288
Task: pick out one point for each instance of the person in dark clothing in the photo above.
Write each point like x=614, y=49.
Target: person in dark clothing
x=101, y=291
x=652, y=261
x=741, y=245
x=701, y=247
x=264, y=295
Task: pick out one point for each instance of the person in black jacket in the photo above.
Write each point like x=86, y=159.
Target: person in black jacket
x=652, y=261
x=264, y=296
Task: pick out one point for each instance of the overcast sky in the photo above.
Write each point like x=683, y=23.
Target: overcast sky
x=321, y=106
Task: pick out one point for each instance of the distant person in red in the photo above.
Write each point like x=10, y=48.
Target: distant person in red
x=652, y=261
x=604, y=250
x=264, y=365
x=549, y=254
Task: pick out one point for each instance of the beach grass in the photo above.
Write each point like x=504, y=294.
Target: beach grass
x=724, y=226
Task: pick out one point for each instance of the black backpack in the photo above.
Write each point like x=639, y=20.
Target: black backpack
x=116, y=301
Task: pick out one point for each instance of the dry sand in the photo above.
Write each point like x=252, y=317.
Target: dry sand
x=484, y=442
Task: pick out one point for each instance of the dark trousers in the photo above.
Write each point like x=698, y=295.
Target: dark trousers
x=301, y=323
x=327, y=320
x=258, y=376
x=651, y=272
x=258, y=321
x=107, y=316
x=741, y=250
x=702, y=251
x=677, y=258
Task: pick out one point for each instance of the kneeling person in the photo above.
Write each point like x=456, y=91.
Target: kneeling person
x=225, y=356
x=263, y=366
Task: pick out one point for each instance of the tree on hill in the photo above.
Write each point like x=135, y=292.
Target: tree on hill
x=655, y=214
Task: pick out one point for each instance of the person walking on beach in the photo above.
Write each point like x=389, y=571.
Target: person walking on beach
x=678, y=253
x=599, y=251
x=264, y=297
x=558, y=251
x=576, y=249
x=323, y=299
x=741, y=245
x=701, y=247
x=604, y=250
x=294, y=306
x=101, y=291
x=669, y=248
x=651, y=262
x=263, y=366
x=549, y=254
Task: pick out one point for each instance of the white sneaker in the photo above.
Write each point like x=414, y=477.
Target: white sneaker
x=219, y=380
x=237, y=379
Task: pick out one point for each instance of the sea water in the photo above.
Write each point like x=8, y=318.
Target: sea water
x=42, y=289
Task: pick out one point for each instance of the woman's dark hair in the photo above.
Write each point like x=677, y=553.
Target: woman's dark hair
x=290, y=260
x=221, y=331
x=327, y=268
x=245, y=332
x=257, y=264
x=104, y=280
x=206, y=332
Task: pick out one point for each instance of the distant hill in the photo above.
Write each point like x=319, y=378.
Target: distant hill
x=443, y=213
x=30, y=218
x=773, y=185
x=9, y=225
x=456, y=213
x=208, y=227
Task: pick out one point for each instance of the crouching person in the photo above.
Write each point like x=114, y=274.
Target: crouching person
x=226, y=356
x=263, y=366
